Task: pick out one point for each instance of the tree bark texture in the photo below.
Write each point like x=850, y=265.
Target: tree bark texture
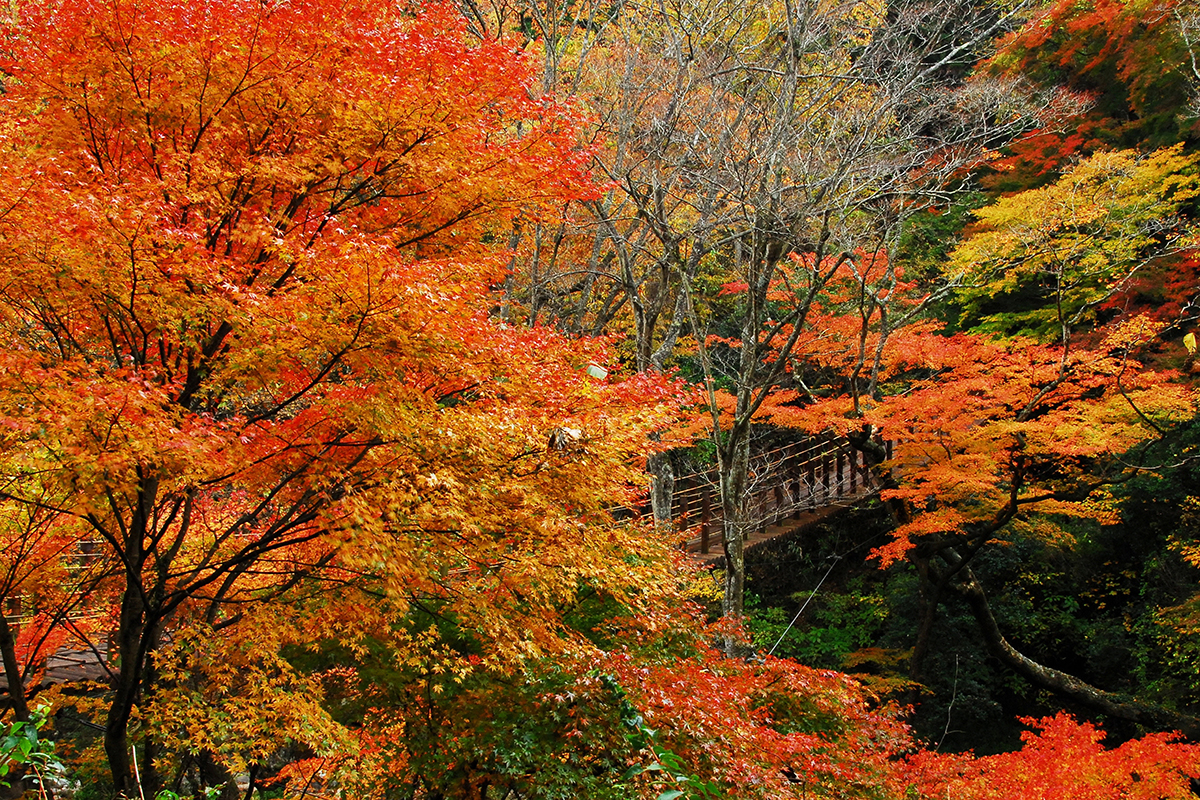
x=12, y=671
x=1113, y=704
x=735, y=468
x=662, y=488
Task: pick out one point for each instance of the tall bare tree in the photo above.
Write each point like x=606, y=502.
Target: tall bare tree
x=732, y=135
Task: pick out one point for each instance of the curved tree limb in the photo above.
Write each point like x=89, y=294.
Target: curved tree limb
x=1113, y=704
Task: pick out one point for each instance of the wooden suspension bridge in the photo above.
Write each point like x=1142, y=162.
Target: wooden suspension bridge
x=790, y=487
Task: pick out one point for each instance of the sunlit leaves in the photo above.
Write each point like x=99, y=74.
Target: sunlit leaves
x=1066, y=759
x=999, y=428
x=246, y=259
x=1048, y=259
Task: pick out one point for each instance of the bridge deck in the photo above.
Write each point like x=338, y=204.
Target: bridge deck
x=791, y=486
x=783, y=527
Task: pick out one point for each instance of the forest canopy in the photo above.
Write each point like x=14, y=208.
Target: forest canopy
x=353, y=350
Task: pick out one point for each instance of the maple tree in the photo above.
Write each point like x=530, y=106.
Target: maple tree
x=660, y=712
x=768, y=729
x=1097, y=258
x=998, y=440
x=1151, y=767
x=1047, y=262
x=1128, y=60
x=1001, y=440
x=856, y=360
x=665, y=713
x=246, y=291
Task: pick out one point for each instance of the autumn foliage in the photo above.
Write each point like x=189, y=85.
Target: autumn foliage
x=1064, y=759
x=272, y=454
x=249, y=355
x=1004, y=428
x=1127, y=62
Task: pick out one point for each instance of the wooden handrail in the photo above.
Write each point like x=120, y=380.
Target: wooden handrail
x=806, y=475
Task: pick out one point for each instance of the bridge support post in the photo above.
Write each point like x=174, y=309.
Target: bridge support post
x=826, y=469
x=811, y=471
x=794, y=484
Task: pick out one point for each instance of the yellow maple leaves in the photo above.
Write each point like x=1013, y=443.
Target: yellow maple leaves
x=1047, y=258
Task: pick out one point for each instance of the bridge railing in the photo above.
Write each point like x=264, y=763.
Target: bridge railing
x=784, y=482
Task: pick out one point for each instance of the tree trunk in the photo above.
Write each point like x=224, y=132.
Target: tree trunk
x=931, y=597
x=735, y=475
x=12, y=671
x=132, y=643
x=863, y=440
x=1115, y=705
x=662, y=488
x=214, y=775
x=735, y=468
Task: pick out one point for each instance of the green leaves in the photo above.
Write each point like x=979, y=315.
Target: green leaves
x=1048, y=259
x=668, y=768
x=23, y=749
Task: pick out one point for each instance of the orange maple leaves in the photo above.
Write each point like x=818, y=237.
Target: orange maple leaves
x=1063, y=760
x=985, y=430
x=997, y=428
x=245, y=271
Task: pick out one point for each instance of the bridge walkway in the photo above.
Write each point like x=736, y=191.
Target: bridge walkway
x=791, y=487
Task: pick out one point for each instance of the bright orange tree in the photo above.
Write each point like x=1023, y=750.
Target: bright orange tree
x=245, y=292
x=1064, y=759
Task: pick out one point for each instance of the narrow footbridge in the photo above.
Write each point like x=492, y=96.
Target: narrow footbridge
x=789, y=487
